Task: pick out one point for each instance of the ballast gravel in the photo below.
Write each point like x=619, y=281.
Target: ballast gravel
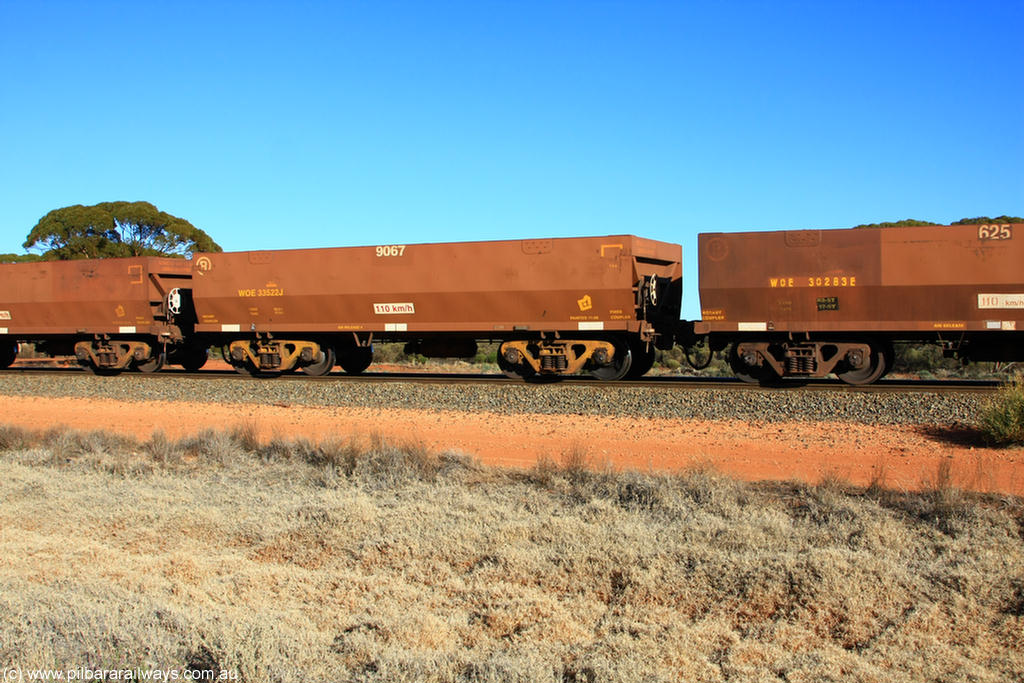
x=678, y=402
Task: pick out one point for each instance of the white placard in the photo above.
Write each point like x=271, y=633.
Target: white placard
x=1004, y=301
x=405, y=308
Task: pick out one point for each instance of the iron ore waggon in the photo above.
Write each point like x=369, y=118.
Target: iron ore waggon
x=810, y=302
x=112, y=314
x=556, y=306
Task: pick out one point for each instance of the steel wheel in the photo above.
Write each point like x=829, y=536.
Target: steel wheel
x=878, y=363
x=643, y=359
x=8, y=352
x=322, y=366
x=751, y=374
x=517, y=371
x=242, y=367
x=193, y=357
x=356, y=359
x=151, y=364
x=92, y=369
x=247, y=369
x=618, y=368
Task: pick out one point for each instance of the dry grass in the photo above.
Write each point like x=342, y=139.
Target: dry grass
x=362, y=560
x=1002, y=420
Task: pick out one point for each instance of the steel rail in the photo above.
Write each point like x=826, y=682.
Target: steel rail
x=681, y=382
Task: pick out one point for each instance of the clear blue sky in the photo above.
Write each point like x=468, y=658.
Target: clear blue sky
x=301, y=124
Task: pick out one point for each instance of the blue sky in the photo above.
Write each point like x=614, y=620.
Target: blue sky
x=304, y=124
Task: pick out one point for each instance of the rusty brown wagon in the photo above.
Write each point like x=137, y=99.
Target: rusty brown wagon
x=556, y=306
x=807, y=303
x=112, y=314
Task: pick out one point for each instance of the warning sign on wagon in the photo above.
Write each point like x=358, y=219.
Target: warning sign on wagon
x=394, y=309
x=1008, y=301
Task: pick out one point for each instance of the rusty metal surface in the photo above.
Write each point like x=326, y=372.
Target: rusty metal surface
x=480, y=288
x=930, y=278
x=103, y=296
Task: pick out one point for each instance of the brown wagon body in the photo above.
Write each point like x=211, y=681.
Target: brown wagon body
x=109, y=312
x=807, y=302
x=614, y=296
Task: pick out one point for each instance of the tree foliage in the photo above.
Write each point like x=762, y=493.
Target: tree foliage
x=19, y=258
x=113, y=229
x=982, y=220
x=905, y=223
x=910, y=222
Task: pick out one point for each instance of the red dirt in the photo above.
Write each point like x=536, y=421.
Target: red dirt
x=897, y=457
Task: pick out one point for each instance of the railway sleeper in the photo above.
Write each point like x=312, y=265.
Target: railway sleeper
x=273, y=355
x=558, y=357
x=112, y=354
x=805, y=359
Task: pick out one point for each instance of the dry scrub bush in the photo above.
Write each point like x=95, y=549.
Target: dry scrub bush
x=246, y=435
x=1002, y=421
x=15, y=438
x=385, y=465
x=413, y=565
x=163, y=450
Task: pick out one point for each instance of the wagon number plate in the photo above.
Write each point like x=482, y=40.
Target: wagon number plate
x=995, y=232
x=391, y=250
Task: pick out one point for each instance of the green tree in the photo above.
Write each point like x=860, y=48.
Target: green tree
x=910, y=222
x=906, y=223
x=113, y=229
x=982, y=220
x=19, y=258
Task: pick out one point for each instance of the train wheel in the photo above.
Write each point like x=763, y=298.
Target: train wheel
x=92, y=369
x=516, y=371
x=751, y=374
x=323, y=366
x=193, y=357
x=643, y=359
x=151, y=364
x=889, y=353
x=247, y=369
x=356, y=359
x=244, y=367
x=618, y=368
x=8, y=352
x=878, y=363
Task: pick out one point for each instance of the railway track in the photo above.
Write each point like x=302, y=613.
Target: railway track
x=968, y=386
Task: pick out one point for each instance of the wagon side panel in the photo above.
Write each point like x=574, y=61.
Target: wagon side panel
x=920, y=279
x=474, y=287
x=102, y=296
